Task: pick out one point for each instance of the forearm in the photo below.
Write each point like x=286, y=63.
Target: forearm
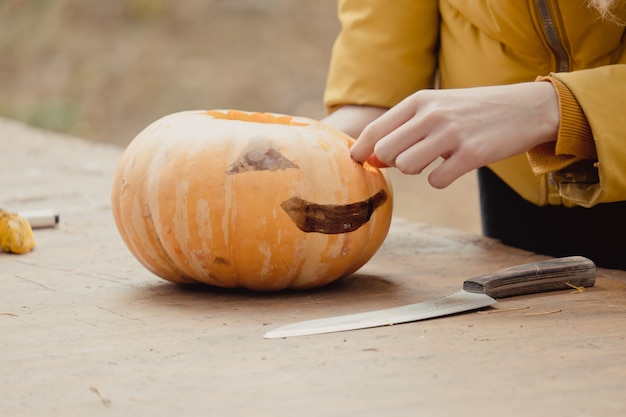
x=352, y=119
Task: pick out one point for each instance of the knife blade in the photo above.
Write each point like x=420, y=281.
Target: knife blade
x=535, y=277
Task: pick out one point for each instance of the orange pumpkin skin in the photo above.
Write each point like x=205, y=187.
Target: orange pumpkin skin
x=255, y=200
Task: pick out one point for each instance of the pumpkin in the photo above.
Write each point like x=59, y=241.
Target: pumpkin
x=257, y=200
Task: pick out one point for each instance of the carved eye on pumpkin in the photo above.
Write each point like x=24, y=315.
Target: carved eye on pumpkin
x=291, y=210
x=260, y=155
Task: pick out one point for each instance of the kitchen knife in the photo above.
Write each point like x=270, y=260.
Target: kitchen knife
x=535, y=277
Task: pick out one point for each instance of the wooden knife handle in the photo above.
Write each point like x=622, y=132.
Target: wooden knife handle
x=535, y=277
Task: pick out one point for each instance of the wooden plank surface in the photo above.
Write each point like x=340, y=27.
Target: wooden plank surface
x=86, y=331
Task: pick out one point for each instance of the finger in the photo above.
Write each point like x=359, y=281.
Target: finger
x=456, y=160
x=364, y=145
x=378, y=129
x=417, y=157
x=450, y=170
x=416, y=154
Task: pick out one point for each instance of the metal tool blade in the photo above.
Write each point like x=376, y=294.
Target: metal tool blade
x=453, y=303
x=534, y=277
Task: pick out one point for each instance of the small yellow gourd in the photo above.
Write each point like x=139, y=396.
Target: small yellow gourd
x=16, y=234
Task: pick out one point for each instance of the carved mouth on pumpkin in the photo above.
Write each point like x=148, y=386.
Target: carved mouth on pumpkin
x=332, y=218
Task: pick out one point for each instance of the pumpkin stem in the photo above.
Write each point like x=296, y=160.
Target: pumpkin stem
x=254, y=117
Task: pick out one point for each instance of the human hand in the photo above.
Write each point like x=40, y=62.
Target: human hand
x=467, y=128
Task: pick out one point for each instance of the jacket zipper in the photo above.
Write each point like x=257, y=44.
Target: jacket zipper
x=555, y=42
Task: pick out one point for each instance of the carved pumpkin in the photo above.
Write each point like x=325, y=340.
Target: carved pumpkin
x=255, y=200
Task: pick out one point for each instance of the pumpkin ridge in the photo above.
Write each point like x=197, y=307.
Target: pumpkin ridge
x=136, y=225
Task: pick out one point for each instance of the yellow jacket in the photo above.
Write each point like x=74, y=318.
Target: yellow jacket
x=388, y=49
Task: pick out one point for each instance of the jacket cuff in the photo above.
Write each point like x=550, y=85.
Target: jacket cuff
x=574, y=138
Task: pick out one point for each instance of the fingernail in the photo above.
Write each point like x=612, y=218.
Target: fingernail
x=375, y=162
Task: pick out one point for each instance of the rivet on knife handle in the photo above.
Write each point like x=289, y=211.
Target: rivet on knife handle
x=551, y=275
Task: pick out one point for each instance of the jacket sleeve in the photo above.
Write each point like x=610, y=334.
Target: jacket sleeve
x=385, y=51
x=601, y=95
x=574, y=141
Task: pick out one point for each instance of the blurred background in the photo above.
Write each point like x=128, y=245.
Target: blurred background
x=105, y=69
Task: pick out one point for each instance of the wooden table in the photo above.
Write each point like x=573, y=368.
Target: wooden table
x=86, y=331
